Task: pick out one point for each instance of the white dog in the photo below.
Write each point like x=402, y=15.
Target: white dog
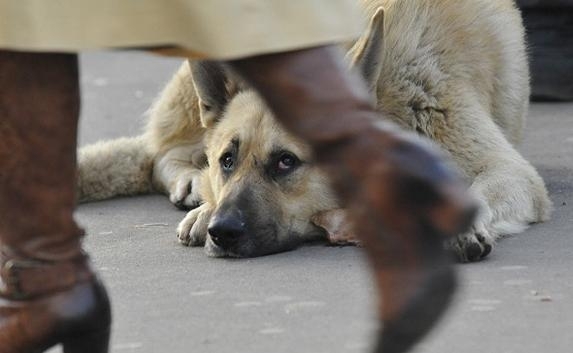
x=454, y=71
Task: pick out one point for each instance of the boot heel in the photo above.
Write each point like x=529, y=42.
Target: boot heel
x=92, y=342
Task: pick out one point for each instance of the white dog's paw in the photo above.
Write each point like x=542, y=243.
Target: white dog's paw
x=184, y=193
x=510, y=200
x=192, y=230
x=478, y=242
x=471, y=246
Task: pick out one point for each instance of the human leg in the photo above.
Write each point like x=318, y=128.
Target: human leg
x=48, y=292
x=403, y=199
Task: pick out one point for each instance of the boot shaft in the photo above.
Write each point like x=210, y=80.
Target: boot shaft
x=39, y=107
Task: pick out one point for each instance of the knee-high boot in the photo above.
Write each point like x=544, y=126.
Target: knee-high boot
x=403, y=199
x=49, y=295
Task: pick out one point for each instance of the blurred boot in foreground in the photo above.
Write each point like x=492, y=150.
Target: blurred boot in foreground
x=406, y=200
x=48, y=291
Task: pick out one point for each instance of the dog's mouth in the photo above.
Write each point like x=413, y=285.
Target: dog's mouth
x=252, y=244
x=214, y=250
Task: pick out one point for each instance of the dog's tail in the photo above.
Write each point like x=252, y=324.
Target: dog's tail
x=112, y=168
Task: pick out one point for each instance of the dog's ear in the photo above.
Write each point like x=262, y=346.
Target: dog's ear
x=212, y=87
x=366, y=54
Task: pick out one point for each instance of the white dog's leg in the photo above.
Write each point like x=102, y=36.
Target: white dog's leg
x=511, y=198
x=177, y=173
x=192, y=230
x=511, y=192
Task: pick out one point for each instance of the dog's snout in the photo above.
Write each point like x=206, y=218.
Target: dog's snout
x=226, y=230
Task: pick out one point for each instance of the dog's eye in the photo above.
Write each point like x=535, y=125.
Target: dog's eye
x=227, y=161
x=286, y=162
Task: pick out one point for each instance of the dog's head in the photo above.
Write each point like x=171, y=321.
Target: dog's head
x=261, y=187
x=261, y=184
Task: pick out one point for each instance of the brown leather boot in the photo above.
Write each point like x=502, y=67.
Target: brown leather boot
x=48, y=292
x=402, y=197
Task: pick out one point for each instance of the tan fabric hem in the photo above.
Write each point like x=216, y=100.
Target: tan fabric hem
x=222, y=29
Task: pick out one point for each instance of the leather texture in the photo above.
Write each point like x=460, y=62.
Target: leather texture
x=403, y=198
x=48, y=292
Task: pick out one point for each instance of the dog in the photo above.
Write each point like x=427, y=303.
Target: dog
x=452, y=71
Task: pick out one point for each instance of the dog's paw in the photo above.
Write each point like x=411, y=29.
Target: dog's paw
x=184, y=193
x=478, y=241
x=471, y=246
x=337, y=227
x=192, y=230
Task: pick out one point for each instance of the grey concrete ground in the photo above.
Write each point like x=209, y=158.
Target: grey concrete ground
x=169, y=298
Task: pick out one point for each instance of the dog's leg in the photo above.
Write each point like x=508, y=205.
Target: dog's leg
x=177, y=173
x=192, y=230
x=175, y=135
x=510, y=191
x=512, y=196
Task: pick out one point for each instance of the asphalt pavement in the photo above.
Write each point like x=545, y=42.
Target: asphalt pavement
x=173, y=299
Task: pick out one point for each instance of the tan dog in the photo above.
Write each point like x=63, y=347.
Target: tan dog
x=454, y=71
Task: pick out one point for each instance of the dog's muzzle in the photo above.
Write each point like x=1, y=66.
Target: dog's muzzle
x=227, y=229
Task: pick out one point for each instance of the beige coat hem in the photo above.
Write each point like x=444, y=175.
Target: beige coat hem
x=222, y=29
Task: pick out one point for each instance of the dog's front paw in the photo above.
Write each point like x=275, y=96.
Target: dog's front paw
x=476, y=243
x=192, y=230
x=184, y=193
x=337, y=227
x=471, y=246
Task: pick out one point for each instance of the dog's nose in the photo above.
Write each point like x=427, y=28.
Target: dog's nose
x=225, y=231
